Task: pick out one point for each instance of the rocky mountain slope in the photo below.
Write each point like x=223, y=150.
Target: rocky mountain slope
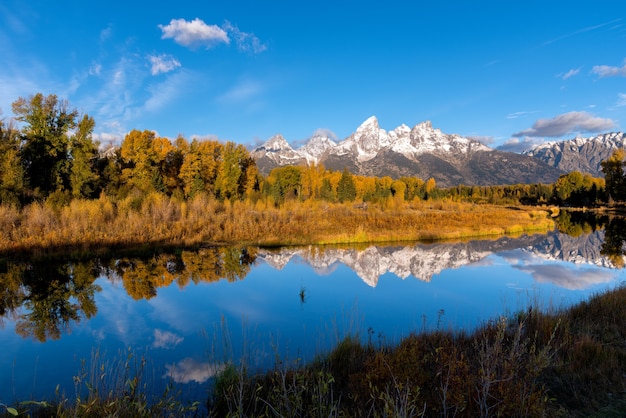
x=421, y=151
x=579, y=154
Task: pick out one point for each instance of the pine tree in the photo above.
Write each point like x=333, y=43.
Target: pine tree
x=346, y=189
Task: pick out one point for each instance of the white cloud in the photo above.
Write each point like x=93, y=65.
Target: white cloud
x=246, y=42
x=516, y=115
x=483, y=139
x=570, y=73
x=325, y=132
x=519, y=145
x=621, y=100
x=608, y=71
x=194, y=33
x=188, y=370
x=163, y=63
x=166, y=339
x=572, y=279
x=567, y=124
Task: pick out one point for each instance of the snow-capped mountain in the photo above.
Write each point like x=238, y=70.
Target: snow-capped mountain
x=579, y=154
x=423, y=261
x=281, y=152
x=315, y=149
x=421, y=151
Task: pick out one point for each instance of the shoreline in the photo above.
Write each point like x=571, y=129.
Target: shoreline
x=96, y=228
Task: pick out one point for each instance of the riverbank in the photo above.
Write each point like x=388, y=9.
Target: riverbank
x=550, y=362
x=104, y=225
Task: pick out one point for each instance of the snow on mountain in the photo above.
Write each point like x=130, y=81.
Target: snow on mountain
x=369, y=139
x=579, y=154
x=276, y=151
x=316, y=147
x=277, y=143
x=423, y=261
x=421, y=151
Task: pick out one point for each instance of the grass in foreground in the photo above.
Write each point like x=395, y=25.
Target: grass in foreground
x=567, y=363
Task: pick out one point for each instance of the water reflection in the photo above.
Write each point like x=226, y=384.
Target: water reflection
x=45, y=300
x=613, y=245
x=297, y=301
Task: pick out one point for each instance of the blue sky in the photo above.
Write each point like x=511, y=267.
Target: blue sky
x=510, y=73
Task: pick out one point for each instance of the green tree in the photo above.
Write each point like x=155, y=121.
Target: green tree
x=45, y=150
x=567, y=184
x=346, y=189
x=326, y=190
x=613, y=169
x=84, y=152
x=12, y=181
x=232, y=173
x=140, y=161
x=285, y=183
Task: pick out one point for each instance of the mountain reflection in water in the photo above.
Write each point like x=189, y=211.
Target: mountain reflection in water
x=296, y=300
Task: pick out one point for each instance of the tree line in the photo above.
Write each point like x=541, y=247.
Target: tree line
x=53, y=157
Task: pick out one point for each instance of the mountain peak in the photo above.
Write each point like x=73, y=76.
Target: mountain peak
x=316, y=146
x=426, y=125
x=277, y=143
x=371, y=121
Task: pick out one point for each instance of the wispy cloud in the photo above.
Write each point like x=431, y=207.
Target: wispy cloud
x=163, y=63
x=242, y=91
x=579, y=31
x=106, y=33
x=95, y=69
x=608, y=71
x=621, y=100
x=163, y=93
x=516, y=115
x=566, y=124
x=570, y=73
x=194, y=33
x=245, y=41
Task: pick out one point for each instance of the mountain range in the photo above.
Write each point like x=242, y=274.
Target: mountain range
x=579, y=154
x=425, y=152
x=423, y=261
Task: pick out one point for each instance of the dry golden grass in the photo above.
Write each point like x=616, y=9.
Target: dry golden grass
x=158, y=220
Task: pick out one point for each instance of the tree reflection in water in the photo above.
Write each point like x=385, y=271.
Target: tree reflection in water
x=44, y=299
x=614, y=239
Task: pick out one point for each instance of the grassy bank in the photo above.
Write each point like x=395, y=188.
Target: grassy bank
x=562, y=363
x=155, y=220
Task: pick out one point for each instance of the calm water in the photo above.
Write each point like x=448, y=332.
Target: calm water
x=189, y=312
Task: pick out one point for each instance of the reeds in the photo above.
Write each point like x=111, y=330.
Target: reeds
x=156, y=220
